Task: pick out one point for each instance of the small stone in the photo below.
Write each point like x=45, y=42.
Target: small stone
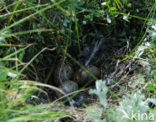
x=82, y=76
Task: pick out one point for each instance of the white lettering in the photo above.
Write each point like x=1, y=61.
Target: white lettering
x=151, y=116
x=133, y=116
x=140, y=116
x=143, y=116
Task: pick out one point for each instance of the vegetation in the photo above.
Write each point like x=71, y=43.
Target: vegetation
x=35, y=35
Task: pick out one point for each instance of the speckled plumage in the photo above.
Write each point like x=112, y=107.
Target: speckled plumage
x=63, y=72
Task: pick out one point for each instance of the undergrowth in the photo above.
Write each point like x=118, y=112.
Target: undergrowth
x=139, y=105
x=35, y=34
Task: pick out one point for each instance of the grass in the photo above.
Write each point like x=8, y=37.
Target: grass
x=33, y=33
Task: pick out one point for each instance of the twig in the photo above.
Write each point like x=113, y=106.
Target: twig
x=96, y=49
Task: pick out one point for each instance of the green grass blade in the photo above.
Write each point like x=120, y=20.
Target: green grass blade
x=31, y=16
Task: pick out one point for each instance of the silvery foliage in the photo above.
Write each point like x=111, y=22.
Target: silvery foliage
x=152, y=32
x=141, y=49
x=100, y=91
x=94, y=112
x=146, y=44
x=131, y=106
x=135, y=103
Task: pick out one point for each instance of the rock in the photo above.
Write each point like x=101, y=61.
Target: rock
x=82, y=76
x=68, y=87
x=63, y=72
